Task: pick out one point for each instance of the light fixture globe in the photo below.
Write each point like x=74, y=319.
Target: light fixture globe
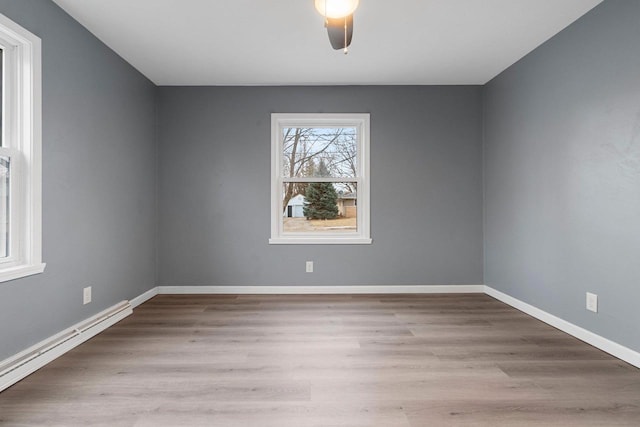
x=336, y=9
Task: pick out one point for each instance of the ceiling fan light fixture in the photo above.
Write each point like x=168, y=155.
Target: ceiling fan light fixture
x=336, y=9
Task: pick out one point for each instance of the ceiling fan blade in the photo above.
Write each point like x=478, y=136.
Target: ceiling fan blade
x=335, y=30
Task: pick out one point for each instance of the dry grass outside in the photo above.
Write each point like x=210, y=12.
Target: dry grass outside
x=335, y=225
x=338, y=222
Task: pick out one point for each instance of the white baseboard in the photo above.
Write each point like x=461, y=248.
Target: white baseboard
x=374, y=289
x=140, y=299
x=613, y=348
x=35, y=357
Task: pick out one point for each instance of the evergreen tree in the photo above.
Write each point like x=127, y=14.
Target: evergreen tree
x=320, y=197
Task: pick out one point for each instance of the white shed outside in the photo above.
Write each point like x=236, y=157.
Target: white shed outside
x=295, y=207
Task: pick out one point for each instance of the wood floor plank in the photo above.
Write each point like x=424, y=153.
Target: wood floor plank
x=539, y=413
x=328, y=360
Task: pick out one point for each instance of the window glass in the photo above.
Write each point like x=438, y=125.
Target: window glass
x=5, y=193
x=320, y=207
x=305, y=148
x=1, y=96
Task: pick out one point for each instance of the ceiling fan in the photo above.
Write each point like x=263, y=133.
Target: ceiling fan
x=338, y=16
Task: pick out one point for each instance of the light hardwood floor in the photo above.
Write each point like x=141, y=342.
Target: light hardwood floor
x=328, y=360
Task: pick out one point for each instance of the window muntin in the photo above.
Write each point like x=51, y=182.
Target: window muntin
x=320, y=186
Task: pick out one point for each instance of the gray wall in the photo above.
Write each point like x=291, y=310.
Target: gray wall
x=562, y=174
x=426, y=191
x=98, y=182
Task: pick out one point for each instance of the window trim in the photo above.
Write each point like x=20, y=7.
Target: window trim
x=22, y=128
x=358, y=120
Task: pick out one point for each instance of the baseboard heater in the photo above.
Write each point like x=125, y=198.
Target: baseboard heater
x=30, y=360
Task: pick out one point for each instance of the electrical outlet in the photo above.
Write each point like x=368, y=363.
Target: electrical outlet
x=86, y=295
x=309, y=266
x=592, y=302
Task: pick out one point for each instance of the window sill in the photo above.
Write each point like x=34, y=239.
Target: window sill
x=320, y=241
x=19, y=271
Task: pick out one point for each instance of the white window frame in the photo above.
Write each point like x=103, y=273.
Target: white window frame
x=279, y=121
x=22, y=143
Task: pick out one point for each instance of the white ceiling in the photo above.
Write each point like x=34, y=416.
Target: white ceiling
x=283, y=42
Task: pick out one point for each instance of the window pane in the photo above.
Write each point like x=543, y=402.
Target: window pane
x=5, y=169
x=319, y=207
x=309, y=152
x=1, y=95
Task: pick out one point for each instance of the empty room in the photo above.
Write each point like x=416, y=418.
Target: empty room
x=320, y=213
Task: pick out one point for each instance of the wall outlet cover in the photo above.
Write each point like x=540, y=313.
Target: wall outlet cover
x=592, y=302
x=86, y=295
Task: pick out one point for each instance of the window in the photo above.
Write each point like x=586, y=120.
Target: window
x=20, y=153
x=320, y=179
